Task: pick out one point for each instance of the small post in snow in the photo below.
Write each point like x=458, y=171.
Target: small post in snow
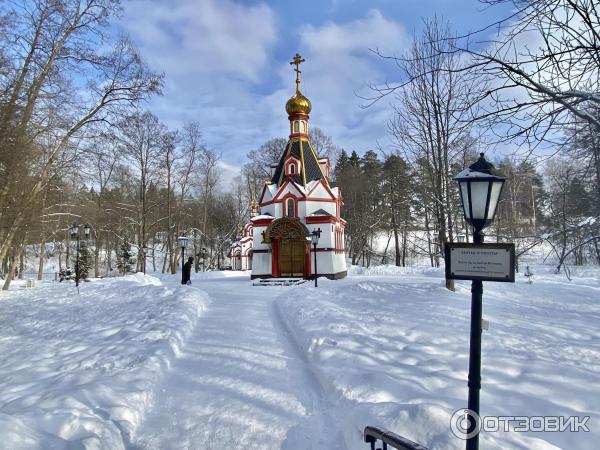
x=314, y=237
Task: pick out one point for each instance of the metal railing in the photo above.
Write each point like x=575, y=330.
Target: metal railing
x=387, y=438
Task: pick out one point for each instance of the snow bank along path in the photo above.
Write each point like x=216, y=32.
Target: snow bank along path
x=239, y=383
x=78, y=371
x=392, y=351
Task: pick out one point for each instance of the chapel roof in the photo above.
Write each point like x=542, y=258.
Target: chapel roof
x=310, y=168
x=321, y=212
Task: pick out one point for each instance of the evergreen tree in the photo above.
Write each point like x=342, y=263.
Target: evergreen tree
x=397, y=198
x=341, y=165
x=124, y=259
x=84, y=262
x=354, y=159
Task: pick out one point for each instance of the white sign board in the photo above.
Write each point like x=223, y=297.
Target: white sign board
x=487, y=262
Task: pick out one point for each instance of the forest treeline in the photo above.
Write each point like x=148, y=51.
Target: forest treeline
x=78, y=146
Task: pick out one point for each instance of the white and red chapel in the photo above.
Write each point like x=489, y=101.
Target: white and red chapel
x=295, y=201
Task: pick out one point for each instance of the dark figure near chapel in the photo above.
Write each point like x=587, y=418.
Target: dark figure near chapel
x=187, y=270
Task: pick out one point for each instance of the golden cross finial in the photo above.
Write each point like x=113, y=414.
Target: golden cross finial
x=297, y=61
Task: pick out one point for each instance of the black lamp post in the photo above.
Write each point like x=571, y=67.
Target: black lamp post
x=75, y=234
x=480, y=188
x=183, y=240
x=314, y=237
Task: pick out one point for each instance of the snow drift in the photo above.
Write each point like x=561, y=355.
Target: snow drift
x=78, y=371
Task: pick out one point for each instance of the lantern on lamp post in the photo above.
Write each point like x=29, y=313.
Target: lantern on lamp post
x=183, y=240
x=480, y=187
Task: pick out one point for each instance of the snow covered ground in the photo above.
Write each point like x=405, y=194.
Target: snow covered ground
x=392, y=351
x=78, y=371
x=143, y=363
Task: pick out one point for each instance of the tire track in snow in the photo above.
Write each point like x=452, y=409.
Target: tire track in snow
x=318, y=429
x=240, y=382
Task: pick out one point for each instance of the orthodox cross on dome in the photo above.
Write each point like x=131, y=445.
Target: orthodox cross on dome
x=297, y=61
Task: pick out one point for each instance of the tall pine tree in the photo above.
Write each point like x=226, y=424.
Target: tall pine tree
x=84, y=262
x=124, y=258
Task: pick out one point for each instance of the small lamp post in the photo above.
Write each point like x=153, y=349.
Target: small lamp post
x=480, y=188
x=183, y=240
x=314, y=237
x=75, y=234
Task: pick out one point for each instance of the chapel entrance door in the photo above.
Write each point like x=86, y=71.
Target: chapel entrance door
x=292, y=258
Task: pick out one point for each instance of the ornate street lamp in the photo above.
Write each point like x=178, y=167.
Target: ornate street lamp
x=480, y=188
x=183, y=240
x=75, y=234
x=314, y=237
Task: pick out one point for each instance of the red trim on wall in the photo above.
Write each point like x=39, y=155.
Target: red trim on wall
x=299, y=135
x=281, y=189
x=263, y=222
x=275, y=258
x=303, y=199
x=298, y=116
x=284, y=204
x=321, y=219
x=292, y=160
x=326, y=188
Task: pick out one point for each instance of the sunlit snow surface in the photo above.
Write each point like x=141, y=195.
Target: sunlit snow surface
x=145, y=363
x=394, y=352
x=80, y=369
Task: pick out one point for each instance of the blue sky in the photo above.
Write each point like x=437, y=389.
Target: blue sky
x=227, y=63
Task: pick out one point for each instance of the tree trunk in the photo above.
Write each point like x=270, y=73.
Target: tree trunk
x=108, y=253
x=97, y=257
x=40, y=273
x=153, y=257
x=384, y=257
x=404, y=238
x=21, y=263
x=13, y=266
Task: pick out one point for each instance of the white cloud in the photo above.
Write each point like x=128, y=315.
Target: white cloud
x=194, y=37
x=340, y=64
x=227, y=174
x=217, y=56
x=214, y=53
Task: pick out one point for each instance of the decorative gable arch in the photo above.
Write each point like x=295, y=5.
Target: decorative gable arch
x=286, y=228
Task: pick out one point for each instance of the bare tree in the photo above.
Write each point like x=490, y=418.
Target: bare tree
x=544, y=68
x=142, y=143
x=61, y=79
x=432, y=120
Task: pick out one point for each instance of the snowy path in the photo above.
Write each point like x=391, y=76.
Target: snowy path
x=239, y=383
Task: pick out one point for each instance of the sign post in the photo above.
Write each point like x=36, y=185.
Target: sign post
x=478, y=262
x=485, y=262
x=480, y=187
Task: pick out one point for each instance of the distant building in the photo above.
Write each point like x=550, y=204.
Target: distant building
x=240, y=252
x=297, y=200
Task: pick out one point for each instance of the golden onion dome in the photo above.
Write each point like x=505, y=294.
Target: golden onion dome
x=298, y=104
